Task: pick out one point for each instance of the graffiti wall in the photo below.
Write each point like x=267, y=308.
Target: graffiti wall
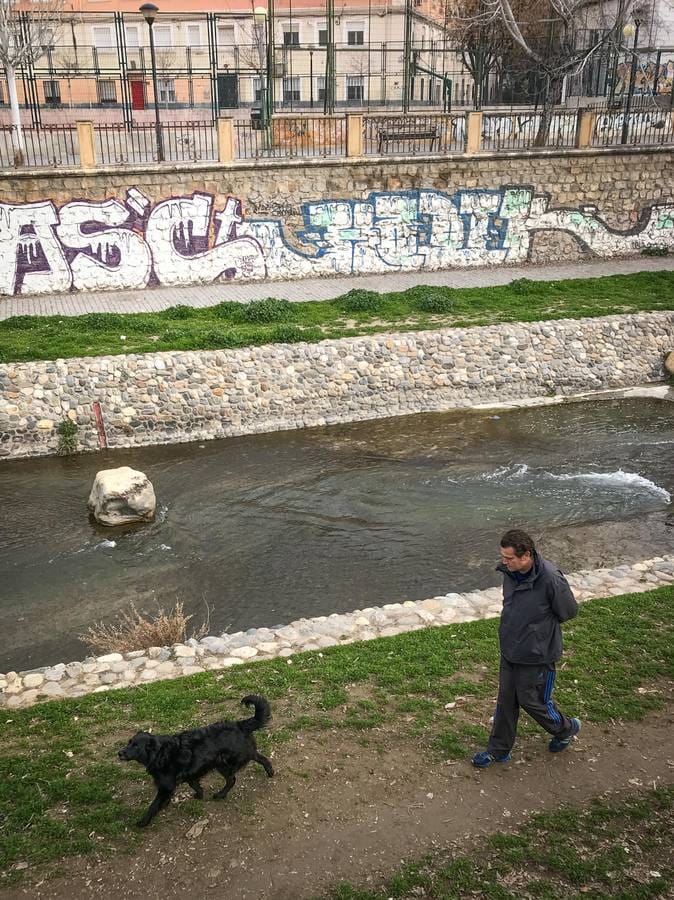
x=131, y=242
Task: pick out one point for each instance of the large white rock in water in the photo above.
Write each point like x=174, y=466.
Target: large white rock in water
x=120, y=496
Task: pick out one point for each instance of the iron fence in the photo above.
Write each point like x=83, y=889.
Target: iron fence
x=304, y=136
x=49, y=145
x=523, y=130
x=118, y=143
x=643, y=126
x=413, y=134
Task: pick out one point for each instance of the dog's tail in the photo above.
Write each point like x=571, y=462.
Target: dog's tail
x=262, y=713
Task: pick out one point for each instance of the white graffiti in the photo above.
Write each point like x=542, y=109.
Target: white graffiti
x=102, y=245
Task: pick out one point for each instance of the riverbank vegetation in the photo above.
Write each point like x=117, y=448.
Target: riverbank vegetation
x=64, y=793
x=358, y=312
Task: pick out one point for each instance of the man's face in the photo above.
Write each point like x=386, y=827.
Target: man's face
x=515, y=563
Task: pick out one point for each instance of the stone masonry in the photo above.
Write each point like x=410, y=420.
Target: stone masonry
x=217, y=652
x=156, y=398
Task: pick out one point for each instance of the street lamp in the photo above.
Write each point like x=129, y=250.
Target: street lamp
x=149, y=12
x=260, y=17
x=629, y=31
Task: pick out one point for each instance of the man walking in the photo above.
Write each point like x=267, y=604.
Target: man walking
x=536, y=599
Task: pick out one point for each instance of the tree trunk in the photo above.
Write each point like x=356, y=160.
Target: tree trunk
x=551, y=98
x=18, y=144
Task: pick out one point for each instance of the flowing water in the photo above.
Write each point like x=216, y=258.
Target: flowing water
x=264, y=529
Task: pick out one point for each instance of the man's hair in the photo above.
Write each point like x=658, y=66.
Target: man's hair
x=519, y=540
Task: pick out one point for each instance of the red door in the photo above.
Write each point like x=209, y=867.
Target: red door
x=137, y=94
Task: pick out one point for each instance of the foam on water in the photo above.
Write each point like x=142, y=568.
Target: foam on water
x=618, y=479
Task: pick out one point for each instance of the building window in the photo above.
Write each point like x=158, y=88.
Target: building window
x=2, y=94
x=107, y=92
x=355, y=36
x=101, y=36
x=322, y=35
x=52, y=92
x=167, y=90
x=320, y=87
x=291, y=89
x=354, y=87
x=132, y=39
x=291, y=35
x=194, y=36
x=162, y=35
x=257, y=90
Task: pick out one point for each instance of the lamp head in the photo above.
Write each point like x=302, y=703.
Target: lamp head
x=629, y=30
x=149, y=11
x=260, y=14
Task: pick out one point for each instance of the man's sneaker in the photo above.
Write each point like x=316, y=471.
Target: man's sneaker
x=485, y=758
x=556, y=745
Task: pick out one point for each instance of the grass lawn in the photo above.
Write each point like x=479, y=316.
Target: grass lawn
x=63, y=792
x=358, y=312
x=622, y=848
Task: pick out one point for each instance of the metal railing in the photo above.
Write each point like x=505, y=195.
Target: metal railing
x=117, y=144
x=402, y=134
x=49, y=145
x=643, y=126
x=520, y=130
x=299, y=136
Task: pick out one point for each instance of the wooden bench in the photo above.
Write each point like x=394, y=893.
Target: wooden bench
x=408, y=132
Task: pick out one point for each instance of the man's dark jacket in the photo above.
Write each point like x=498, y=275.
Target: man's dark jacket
x=533, y=609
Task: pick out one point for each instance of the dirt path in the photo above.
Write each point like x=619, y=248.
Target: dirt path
x=339, y=811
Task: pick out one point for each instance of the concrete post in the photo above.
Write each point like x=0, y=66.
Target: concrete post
x=354, y=135
x=473, y=132
x=85, y=139
x=585, y=128
x=226, y=151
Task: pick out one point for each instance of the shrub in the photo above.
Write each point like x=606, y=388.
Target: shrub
x=359, y=300
x=287, y=334
x=218, y=337
x=18, y=323
x=432, y=300
x=67, y=432
x=179, y=312
x=522, y=285
x=269, y=310
x=232, y=312
x=102, y=321
x=134, y=631
x=655, y=251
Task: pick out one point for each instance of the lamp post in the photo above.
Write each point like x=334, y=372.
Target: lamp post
x=260, y=17
x=149, y=12
x=630, y=30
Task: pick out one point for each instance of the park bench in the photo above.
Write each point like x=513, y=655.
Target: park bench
x=407, y=131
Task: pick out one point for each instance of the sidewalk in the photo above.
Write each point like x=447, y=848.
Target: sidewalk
x=155, y=299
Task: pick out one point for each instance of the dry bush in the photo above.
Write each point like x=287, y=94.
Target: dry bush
x=134, y=631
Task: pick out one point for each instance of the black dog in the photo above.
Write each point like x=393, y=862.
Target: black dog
x=187, y=756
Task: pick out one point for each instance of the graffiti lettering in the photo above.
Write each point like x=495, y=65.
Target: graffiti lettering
x=90, y=245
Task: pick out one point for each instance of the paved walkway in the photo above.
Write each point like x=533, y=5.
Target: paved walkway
x=155, y=299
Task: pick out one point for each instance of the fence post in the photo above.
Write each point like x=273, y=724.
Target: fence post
x=226, y=151
x=354, y=135
x=585, y=128
x=85, y=139
x=473, y=132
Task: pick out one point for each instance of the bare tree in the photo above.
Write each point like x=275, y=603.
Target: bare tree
x=554, y=36
x=482, y=40
x=25, y=30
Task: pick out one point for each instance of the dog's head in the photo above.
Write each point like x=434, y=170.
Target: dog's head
x=142, y=748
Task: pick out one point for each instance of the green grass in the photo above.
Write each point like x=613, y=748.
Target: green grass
x=616, y=848
x=357, y=312
x=62, y=792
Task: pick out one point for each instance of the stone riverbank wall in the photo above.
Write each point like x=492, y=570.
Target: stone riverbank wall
x=117, y=670
x=181, y=396
x=134, y=226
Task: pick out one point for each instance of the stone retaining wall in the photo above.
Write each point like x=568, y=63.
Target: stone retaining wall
x=133, y=226
x=117, y=670
x=181, y=396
